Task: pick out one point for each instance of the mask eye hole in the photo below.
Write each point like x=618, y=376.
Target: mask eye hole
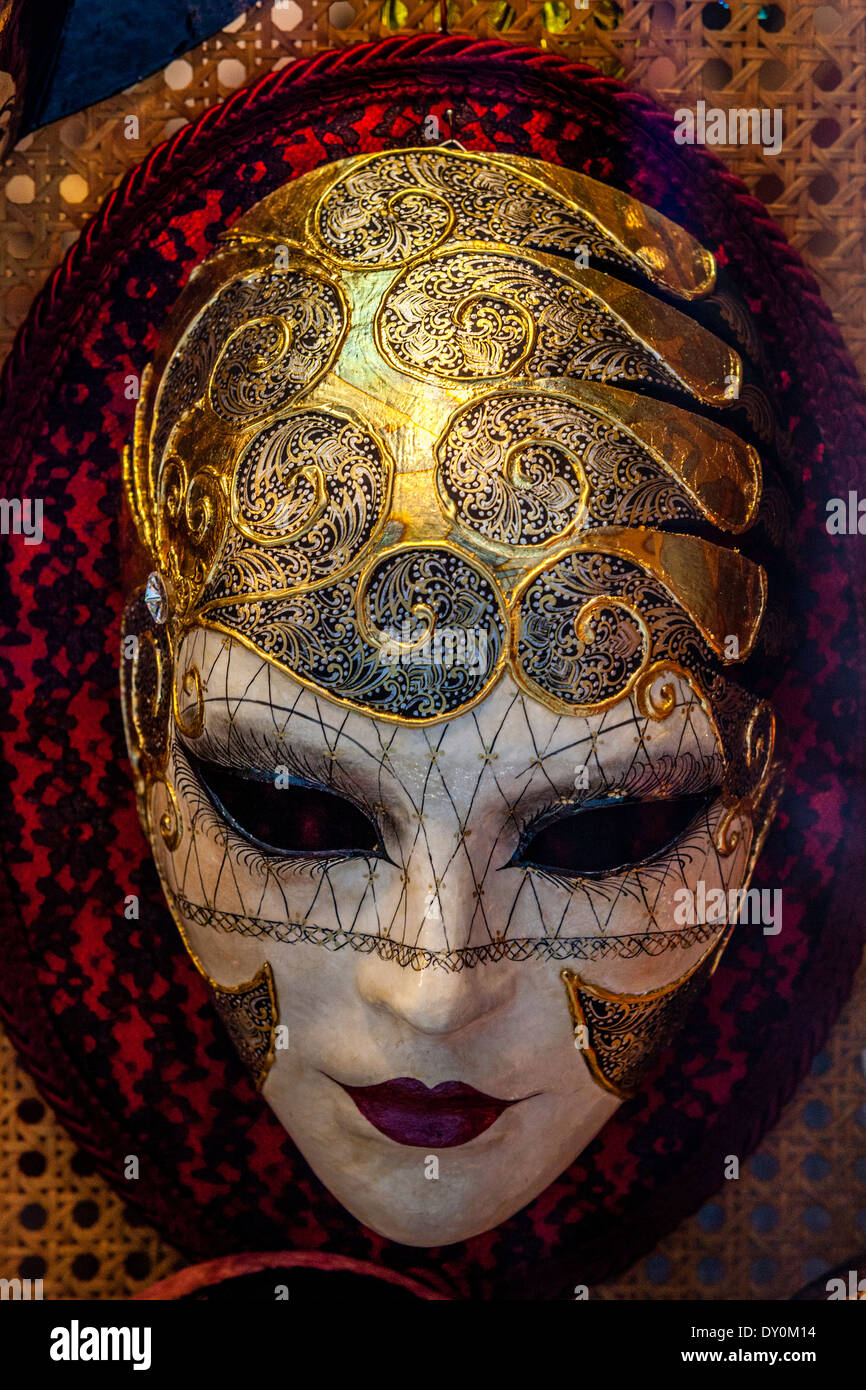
x=299, y=819
x=593, y=841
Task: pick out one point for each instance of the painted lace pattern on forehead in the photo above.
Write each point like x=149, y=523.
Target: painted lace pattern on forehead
x=439, y=895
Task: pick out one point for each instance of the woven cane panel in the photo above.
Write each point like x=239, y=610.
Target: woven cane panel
x=808, y=61
x=798, y=1208
x=59, y=1221
x=799, y=1205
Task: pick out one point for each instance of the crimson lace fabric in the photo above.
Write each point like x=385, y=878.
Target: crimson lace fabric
x=108, y=1014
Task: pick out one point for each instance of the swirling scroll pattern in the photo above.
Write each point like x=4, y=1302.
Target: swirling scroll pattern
x=526, y=468
x=257, y=343
x=404, y=204
x=747, y=730
x=308, y=493
x=470, y=315
x=372, y=644
x=587, y=627
x=191, y=519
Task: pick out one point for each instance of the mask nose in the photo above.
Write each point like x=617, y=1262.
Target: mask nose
x=442, y=905
x=433, y=1000
x=440, y=914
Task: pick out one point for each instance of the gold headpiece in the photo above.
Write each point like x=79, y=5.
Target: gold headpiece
x=398, y=414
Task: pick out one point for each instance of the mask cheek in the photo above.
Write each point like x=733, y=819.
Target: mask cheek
x=621, y=1036
x=238, y=975
x=242, y=987
x=249, y=1014
x=621, y=1033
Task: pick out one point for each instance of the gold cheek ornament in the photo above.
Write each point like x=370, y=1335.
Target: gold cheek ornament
x=621, y=1035
x=432, y=391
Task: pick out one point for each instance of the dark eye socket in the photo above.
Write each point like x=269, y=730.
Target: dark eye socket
x=599, y=840
x=295, y=819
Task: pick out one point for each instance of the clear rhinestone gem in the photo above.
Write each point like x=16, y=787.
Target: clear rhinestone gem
x=155, y=598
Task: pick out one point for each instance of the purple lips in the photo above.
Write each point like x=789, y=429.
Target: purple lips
x=409, y=1112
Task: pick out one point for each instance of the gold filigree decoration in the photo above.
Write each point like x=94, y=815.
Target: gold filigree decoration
x=723, y=593
x=191, y=522
x=309, y=493
x=149, y=692
x=632, y=603
x=146, y=683
x=762, y=776
x=527, y=467
x=620, y=1035
x=300, y=493
x=473, y=314
x=190, y=727
x=720, y=472
x=249, y=1013
x=261, y=339
x=242, y=355
x=419, y=635
x=657, y=704
x=170, y=823
x=377, y=211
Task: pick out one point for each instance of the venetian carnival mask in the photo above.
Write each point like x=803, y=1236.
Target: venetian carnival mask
x=432, y=695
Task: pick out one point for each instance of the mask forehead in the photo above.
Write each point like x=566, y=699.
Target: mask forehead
x=428, y=417
x=402, y=437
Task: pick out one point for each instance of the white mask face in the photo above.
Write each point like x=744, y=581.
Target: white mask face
x=429, y=703
x=385, y=913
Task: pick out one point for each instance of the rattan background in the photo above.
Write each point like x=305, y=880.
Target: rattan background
x=799, y=1206
x=809, y=60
